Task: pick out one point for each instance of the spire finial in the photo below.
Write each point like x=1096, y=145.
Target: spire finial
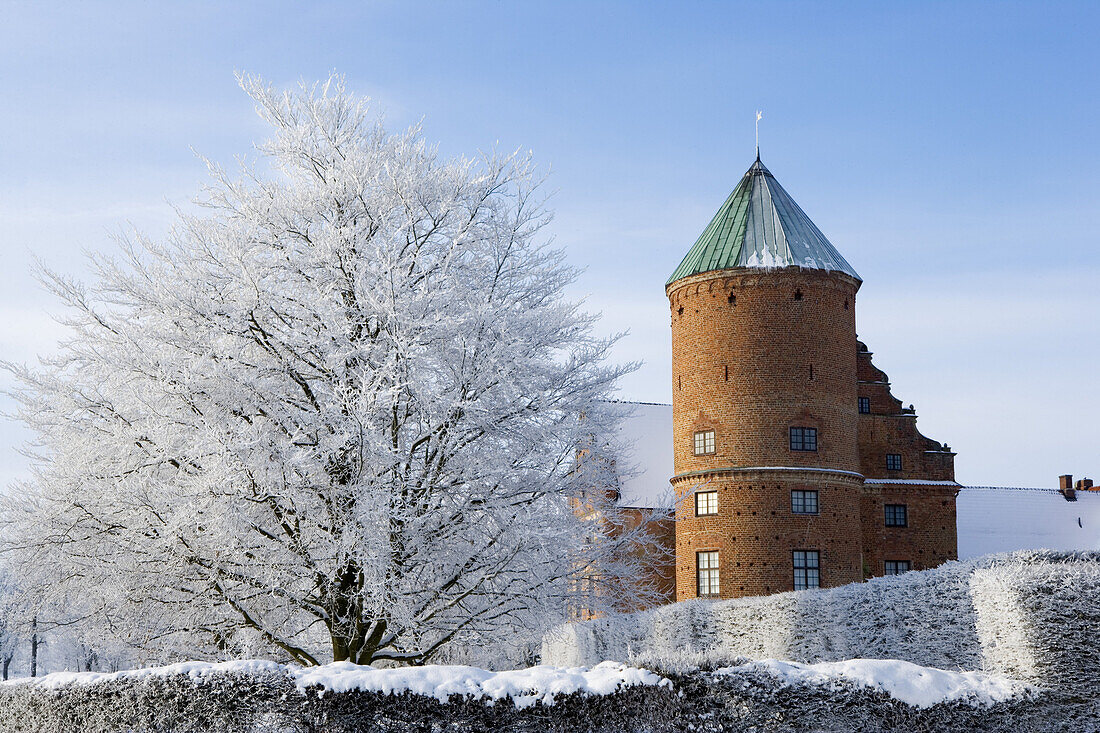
x=759, y=114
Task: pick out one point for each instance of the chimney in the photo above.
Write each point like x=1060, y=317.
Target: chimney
x=1084, y=484
x=1065, y=486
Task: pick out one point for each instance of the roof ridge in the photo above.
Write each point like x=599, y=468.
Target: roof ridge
x=1044, y=489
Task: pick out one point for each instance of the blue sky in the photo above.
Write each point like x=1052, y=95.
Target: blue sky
x=948, y=150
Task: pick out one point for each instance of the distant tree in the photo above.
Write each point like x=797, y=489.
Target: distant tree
x=10, y=621
x=336, y=414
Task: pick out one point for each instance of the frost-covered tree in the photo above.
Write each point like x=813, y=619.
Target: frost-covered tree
x=10, y=621
x=335, y=414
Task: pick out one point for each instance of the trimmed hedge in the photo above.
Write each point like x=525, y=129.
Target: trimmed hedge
x=1041, y=622
x=1033, y=615
x=697, y=702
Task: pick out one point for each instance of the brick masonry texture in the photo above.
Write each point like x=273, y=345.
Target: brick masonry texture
x=754, y=353
x=661, y=571
x=931, y=536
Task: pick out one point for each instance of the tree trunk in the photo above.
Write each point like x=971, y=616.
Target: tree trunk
x=34, y=647
x=352, y=641
x=5, y=663
x=88, y=659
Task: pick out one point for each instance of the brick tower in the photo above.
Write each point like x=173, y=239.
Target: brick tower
x=765, y=411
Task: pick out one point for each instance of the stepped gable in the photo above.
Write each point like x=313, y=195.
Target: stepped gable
x=890, y=427
x=761, y=226
x=921, y=476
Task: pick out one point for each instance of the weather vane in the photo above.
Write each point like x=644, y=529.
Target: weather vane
x=759, y=114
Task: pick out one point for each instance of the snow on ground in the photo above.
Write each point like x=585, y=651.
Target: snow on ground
x=524, y=686
x=910, y=683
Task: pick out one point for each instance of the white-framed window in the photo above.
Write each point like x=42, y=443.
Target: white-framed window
x=807, y=569
x=706, y=564
x=803, y=502
x=706, y=502
x=865, y=405
x=897, y=567
x=704, y=442
x=893, y=461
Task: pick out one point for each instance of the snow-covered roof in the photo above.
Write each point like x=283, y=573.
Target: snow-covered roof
x=909, y=481
x=760, y=225
x=648, y=466
x=999, y=520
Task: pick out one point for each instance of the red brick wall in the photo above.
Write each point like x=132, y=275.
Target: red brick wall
x=744, y=368
x=931, y=537
x=661, y=572
x=755, y=531
x=750, y=359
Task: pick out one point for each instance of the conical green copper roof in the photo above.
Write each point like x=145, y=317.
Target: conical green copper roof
x=760, y=225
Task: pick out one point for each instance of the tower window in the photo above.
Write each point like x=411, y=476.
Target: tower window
x=897, y=567
x=704, y=442
x=865, y=405
x=732, y=299
x=798, y=295
x=803, y=502
x=804, y=439
x=893, y=461
x=706, y=564
x=807, y=569
x=706, y=502
x=897, y=515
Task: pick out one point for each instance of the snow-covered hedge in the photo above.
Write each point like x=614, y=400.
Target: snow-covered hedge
x=1033, y=616
x=258, y=697
x=1026, y=614
x=1041, y=622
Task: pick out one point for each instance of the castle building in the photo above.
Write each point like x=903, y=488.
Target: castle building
x=788, y=460
x=989, y=519
x=793, y=464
